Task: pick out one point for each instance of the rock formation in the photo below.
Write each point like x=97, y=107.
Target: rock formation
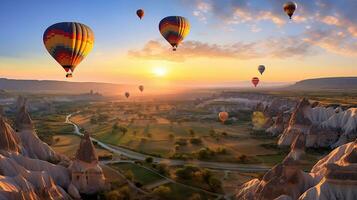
x=340, y=177
x=283, y=181
x=34, y=147
x=323, y=127
x=333, y=177
x=87, y=175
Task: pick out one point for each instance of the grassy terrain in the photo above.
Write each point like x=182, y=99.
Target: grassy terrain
x=68, y=145
x=179, y=192
x=141, y=175
x=157, y=135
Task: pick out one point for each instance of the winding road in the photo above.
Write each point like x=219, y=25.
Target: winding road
x=172, y=162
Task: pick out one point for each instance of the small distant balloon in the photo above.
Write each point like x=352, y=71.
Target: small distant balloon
x=127, y=94
x=223, y=116
x=289, y=8
x=140, y=13
x=261, y=69
x=141, y=88
x=174, y=29
x=255, y=81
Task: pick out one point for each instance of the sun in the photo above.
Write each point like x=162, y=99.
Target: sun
x=159, y=71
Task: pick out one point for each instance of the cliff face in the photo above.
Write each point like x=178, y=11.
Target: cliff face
x=333, y=177
x=323, y=127
x=26, y=171
x=339, y=179
x=24, y=178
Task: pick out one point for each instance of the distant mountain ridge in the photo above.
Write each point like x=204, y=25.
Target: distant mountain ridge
x=339, y=83
x=35, y=86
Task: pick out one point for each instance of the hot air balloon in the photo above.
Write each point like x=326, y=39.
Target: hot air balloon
x=174, y=29
x=289, y=8
x=127, y=94
x=261, y=69
x=140, y=13
x=255, y=81
x=223, y=116
x=68, y=43
x=141, y=88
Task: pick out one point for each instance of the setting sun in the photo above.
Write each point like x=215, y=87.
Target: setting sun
x=159, y=71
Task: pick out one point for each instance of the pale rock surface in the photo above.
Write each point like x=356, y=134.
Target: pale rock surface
x=87, y=175
x=323, y=127
x=340, y=177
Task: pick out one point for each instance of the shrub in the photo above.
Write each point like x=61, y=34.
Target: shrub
x=181, y=142
x=162, y=192
x=196, y=141
x=149, y=159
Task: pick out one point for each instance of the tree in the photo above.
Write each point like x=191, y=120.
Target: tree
x=162, y=192
x=195, y=197
x=196, y=141
x=149, y=160
x=242, y=158
x=186, y=172
x=162, y=168
x=215, y=183
x=192, y=133
x=129, y=175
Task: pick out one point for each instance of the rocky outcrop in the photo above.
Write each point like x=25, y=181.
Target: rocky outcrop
x=33, y=146
x=333, y=177
x=339, y=178
x=9, y=141
x=322, y=127
x=87, y=175
x=280, y=122
x=283, y=179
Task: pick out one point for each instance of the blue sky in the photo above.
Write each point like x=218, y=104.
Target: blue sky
x=321, y=40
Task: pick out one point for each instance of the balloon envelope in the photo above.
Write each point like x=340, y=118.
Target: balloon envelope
x=255, y=81
x=127, y=94
x=289, y=8
x=261, y=69
x=68, y=43
x=174, y=29
x=140, y=13
x=141, y=88
x=223, y=116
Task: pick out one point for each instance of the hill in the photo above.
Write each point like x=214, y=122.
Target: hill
x=332, y=83
x=46, y=86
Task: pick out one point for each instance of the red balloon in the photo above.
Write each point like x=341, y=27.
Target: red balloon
x=255, y=81
x=140, y=13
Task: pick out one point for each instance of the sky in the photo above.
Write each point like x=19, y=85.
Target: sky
x=227, y=41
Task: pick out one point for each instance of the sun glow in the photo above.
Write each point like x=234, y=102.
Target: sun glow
x=159, y=71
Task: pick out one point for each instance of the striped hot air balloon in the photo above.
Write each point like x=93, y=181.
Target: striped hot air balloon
x=255, y=81
x=174, y=29
x=68, y=43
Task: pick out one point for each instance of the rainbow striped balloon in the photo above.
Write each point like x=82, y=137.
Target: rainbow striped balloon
x=174, y=29
x=68, y=43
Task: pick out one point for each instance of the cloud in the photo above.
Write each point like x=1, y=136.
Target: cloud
x=273, y=48
x=335, y=41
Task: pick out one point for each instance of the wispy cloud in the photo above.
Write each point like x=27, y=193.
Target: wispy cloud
x=274, y=48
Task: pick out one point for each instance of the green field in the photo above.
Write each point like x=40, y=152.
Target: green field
x=141, y=174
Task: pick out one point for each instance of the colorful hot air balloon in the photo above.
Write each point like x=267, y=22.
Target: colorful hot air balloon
x=141, y=88
x=127, y=94
x=174, y=29
x=68, y=43
x=255, y=81
x=140, y=13
x=223, y=116
x=289, y=8
x=261, y=69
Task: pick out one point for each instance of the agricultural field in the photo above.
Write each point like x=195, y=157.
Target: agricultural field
x=153, y=133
